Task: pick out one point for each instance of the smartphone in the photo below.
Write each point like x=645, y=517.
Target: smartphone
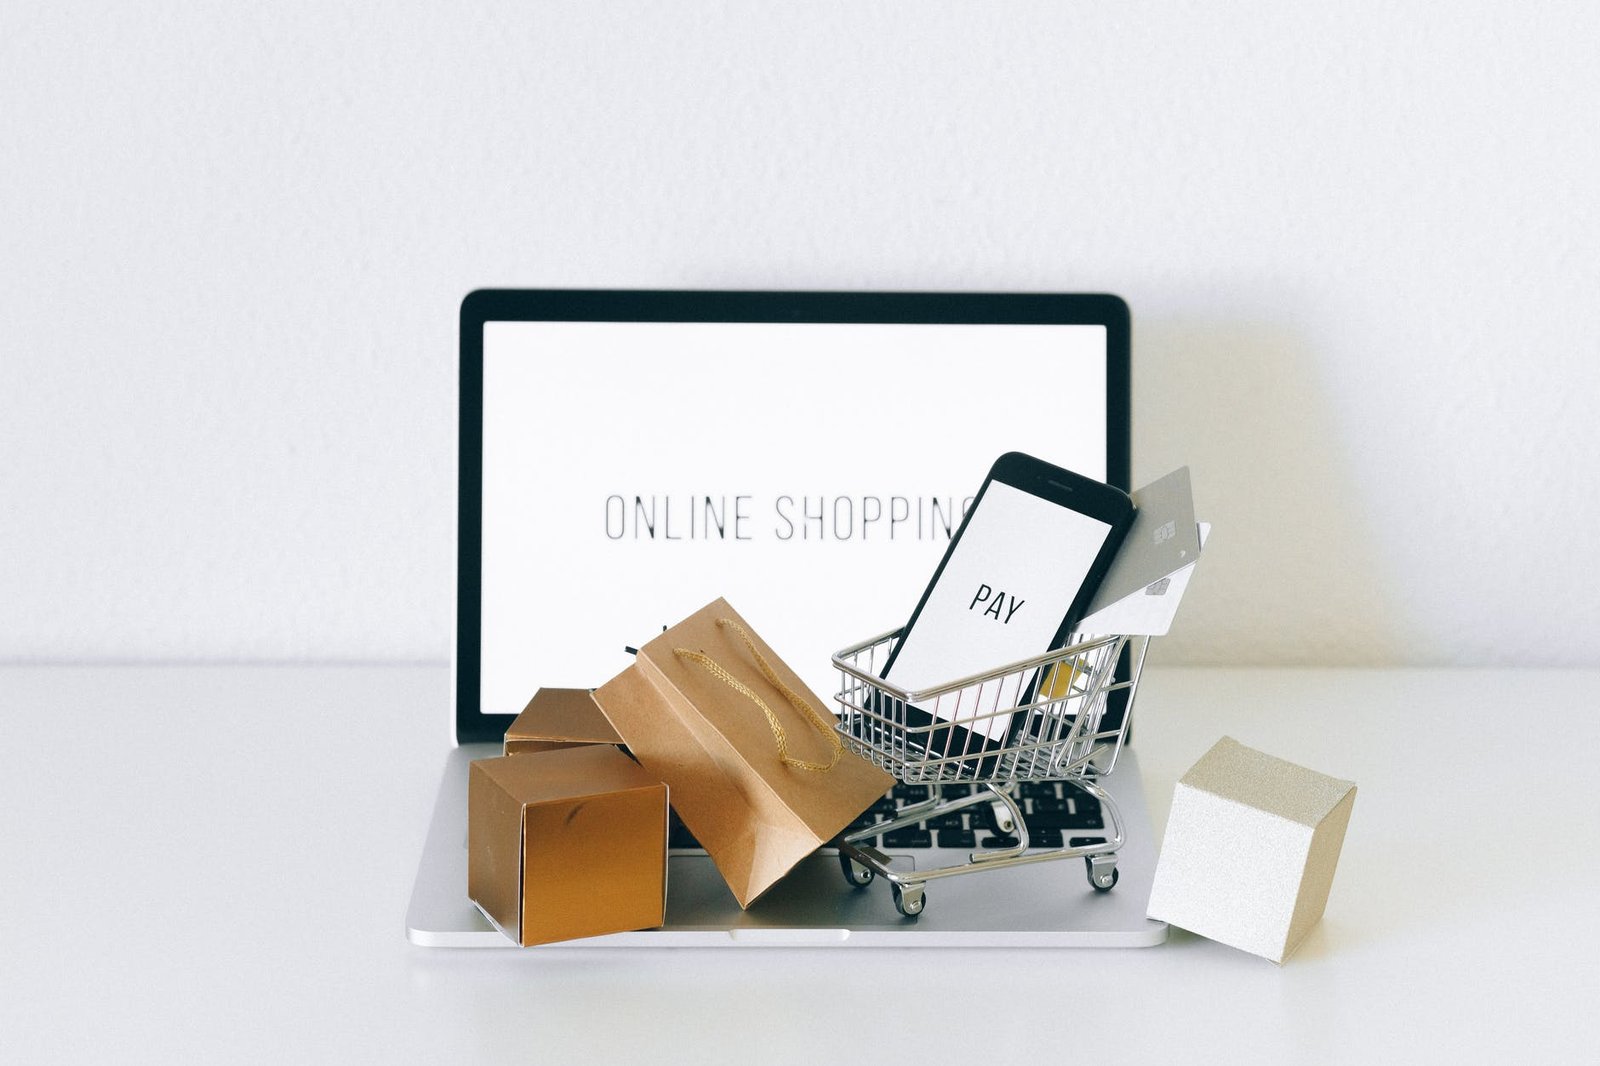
x=1018, y=574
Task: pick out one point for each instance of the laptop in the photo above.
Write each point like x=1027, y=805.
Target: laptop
x=628, y=456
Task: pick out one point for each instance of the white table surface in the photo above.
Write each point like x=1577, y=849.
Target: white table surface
x=213, y=863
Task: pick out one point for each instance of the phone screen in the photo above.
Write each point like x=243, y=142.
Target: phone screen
x=1002, y=596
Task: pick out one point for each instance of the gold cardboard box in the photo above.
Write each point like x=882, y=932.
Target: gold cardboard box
x=559, y=718
x=566, y=843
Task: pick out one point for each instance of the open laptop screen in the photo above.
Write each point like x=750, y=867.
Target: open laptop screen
x=809, y=470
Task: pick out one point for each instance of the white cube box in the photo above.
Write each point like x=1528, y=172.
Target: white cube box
x=1250, y=850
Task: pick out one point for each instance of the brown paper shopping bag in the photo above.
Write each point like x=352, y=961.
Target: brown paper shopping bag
x=756, y=770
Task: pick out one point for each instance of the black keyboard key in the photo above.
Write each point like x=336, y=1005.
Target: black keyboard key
x=999, y=842
x=957, y=838
x=1037, y=789
x=1044, y=838
x=1083, y=842
x=1049, y=803
x=884, y=808
x=1063, y=820
x=954, y=791
x=1081, y=798
x=909, y=837
x=910, y=793
x=946, y=821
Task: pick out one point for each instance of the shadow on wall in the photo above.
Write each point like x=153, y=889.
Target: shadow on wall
x=1291, y=575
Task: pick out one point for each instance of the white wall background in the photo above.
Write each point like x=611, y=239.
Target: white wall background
x=1361, y=242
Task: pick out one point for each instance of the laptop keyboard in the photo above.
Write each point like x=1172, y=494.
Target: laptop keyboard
x=1051, y=809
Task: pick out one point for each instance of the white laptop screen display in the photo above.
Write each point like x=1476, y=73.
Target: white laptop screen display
x=812, y=474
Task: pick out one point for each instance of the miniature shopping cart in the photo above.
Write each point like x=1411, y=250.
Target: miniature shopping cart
x=1040, y=719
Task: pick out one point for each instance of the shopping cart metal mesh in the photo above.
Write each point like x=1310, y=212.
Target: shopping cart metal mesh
x=1042, y=718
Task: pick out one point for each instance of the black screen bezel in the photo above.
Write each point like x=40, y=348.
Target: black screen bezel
x=666, y=305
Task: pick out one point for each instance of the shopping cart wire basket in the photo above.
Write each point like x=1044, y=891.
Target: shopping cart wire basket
x=1039, y=719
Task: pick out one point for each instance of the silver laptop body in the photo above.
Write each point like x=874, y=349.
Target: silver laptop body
x=1044, y=905
x=1048, y=904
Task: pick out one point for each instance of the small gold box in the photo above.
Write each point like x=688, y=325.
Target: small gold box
x=566, y=843
x=559, y=718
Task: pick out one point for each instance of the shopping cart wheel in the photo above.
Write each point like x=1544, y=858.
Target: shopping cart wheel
x=1102, y=871
x=854, y=872
x=909, y=900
